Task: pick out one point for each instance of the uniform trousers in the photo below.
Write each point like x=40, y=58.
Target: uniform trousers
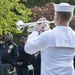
x=23, y=71
x=8, y=69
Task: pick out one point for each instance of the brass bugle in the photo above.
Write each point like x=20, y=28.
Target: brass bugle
x=21, y=25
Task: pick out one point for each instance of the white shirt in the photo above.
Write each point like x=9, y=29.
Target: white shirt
x=57, y=48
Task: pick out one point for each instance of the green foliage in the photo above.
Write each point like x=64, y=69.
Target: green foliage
x=10, y=12
x=32, y=3
x=13, y=10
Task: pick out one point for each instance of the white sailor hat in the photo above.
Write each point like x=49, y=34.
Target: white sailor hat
x=63, y=7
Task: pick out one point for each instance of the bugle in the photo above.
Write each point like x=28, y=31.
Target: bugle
x=21, y=25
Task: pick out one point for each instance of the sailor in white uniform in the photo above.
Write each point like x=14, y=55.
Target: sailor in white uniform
x=57, y=46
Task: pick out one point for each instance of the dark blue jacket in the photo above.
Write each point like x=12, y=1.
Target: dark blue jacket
x=24, y=57
x=11, y=57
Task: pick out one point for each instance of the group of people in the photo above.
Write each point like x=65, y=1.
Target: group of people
x=14, y=60
x=57, y=47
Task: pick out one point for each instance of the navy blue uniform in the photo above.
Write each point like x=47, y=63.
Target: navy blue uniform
x=26, y=59
x=37, y=65
x=11, y=57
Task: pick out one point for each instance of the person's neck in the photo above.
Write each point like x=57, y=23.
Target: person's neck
x=62, y=24
x=22, y=44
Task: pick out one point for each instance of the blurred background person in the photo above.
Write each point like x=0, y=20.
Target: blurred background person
x=24, y=59
x=37, y=63
x=1, y=44
x=9, y=56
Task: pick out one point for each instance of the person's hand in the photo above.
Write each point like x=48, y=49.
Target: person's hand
x=40, y=25
x=9, y=51
x=19, y=63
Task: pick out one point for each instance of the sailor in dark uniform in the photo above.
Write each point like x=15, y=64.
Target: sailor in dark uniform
x=9, y=55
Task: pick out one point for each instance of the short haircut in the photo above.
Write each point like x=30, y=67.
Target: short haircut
x=65, y=16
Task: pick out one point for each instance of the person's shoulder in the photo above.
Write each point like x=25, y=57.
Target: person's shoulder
x=48, y=33
x=19, y=46
x=73, y=31
x=13, y=43
x=2, y=43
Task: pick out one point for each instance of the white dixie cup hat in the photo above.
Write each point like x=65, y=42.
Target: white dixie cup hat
x=64, y=7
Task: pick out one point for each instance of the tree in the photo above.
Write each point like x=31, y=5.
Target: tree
x=10, y=12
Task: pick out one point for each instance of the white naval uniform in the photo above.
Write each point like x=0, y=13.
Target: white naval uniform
x=57, y=48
